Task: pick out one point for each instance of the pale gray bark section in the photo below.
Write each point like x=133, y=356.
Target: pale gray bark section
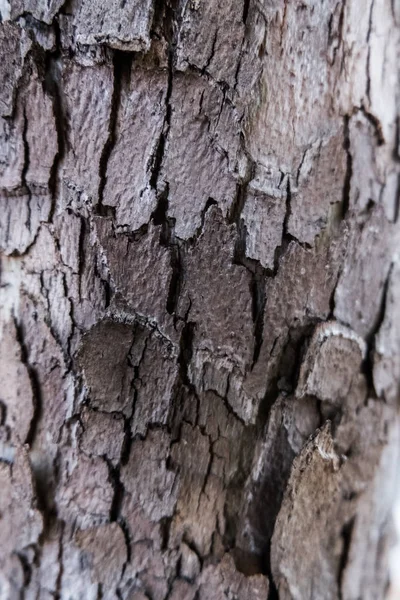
x=199, y=298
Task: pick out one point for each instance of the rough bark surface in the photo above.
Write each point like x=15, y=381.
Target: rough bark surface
x=199, y=298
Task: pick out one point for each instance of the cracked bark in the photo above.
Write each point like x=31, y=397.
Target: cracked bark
x=199, y=299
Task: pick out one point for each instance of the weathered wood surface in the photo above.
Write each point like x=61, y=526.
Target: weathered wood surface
x=199, y=298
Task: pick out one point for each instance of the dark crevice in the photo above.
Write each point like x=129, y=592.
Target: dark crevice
x=247, y=563
x=269, y=488
x=349, y=167
x=376, y=124
x=207, y=474
x=116, y=504
x=397, y=202
x=210, y=202
x=106, y=211
x=298, y=170
x=336, y=37
x=128, y=538
x=241, y=192
x=119, y=490
x=368, y=363
x=273, y=591
x=25, y=169
x=60, y=563
x=396, y=149
x=35, y=384
x=132, y=236
x=331, y=36
x=108, y=292
x=288, y=210
x=258, y=306
x=279, y=252
x=128, y=439
x=220, y=83
x=346, y=534
x=246, y=5
x=341, y=19
x=178, y=414
x=3, y=413
x=166, y=21
x=193, y=239
x=168, y=239
x=239, y=257
x=99, y=591
x=293, y=354
x=159, y=215
x=226, y=403
x=332, y=296
x=127, y=442
x=81, y=252
x=258, y=272
x=158, y=18
x=53, y=86
x=26, y=568
x=238, y=203
x=283, y=22
x=256, y=560
x=287, y=237
x=165, y=526
x=186, y=351
x=382, y=309
x=176, y=280
x=43, y=478
x=160, y=148
x=266, y=404
x=122, y=63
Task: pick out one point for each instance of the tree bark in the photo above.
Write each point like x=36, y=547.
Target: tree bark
x=200, y=292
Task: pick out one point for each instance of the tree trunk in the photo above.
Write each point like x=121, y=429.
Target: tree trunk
x=200, y=292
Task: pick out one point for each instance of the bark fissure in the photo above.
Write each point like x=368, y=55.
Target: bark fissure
x=52, y=85
x=34, y=381
x=349, y=167
x=346, y=534
x=122, y=64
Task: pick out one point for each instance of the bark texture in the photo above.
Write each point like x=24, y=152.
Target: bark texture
x=200, y=297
